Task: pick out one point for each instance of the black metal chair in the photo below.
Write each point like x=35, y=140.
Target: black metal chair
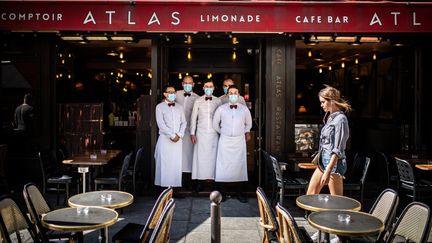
x=3, y=181
x=111, y=180
x=289, y=231
x=14, y=222
x=37, y=205
x=413, y=225
x=391, y=170
x=358, y=185
x=409, y=183
x=133, y=232
x=161, y=231
x=282, y=183
x=267, y=217
x=137, y=173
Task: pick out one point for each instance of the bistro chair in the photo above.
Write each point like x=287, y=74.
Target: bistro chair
x=137, y=169
x=358, y=185
x=282, y=183
x=413, y=224
x=14, y=224
x=133, y=232
x=161, y=232
x=289, y=231
x=391, y=170
x=408, y=181
x=268, y=220
x=112, y=181
x=3, y=181
x=37, y=205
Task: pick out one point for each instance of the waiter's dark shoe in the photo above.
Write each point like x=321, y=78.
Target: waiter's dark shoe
x=242, y=198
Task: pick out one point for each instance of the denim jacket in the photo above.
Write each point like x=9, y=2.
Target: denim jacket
x=334, y=135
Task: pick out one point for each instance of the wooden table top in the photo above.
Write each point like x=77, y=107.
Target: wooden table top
x=360, y=224
x=102, y=158
x=318, y=202
x=119, y=199
x=307, y=166
x=424, y=166
x=69, y=219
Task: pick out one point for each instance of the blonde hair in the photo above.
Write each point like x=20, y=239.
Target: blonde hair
x=330, y=93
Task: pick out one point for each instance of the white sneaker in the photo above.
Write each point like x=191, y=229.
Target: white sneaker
x=314, y=237
x=335, y=240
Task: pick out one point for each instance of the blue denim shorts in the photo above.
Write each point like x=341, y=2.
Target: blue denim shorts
x=340, y=167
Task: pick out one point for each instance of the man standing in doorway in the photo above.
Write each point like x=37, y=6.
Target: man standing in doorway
x=204, y=136
x=172, y=124
x=23, y=118
x=224, y=98
x=186, y=98
x=233, y=121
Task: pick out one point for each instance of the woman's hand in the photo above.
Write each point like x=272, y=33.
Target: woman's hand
x=325, y=178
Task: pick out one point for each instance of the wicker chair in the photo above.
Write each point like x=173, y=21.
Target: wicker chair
x=413, y=224
x=289, y=232
x=132, y=232
x=162, y=229
x=409, y=182
x=112, y=181
x=38, y=205
x=268, y=220
x=14, y=222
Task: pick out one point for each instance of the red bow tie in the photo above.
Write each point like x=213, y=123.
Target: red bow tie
x=171, y=104
x=208, y=98
x=187, y=94
x=233, y=106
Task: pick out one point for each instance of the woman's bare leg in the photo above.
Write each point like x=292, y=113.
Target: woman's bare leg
x=336, y=184
x=315, y=183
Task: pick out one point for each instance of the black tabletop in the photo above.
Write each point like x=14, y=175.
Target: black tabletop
x=318, y=202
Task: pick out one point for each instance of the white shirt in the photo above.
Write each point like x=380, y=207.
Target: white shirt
x=232, y=122
x=170, y=119
x=225, y=99
x=202, y=114
x=187, y=102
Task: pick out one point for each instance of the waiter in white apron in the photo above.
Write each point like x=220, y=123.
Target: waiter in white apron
x=225, y=97
x=204, y=136
x=233, y=121
x=186, y=98
x=172, y=124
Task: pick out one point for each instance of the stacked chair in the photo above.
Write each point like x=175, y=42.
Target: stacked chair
x=132, y=232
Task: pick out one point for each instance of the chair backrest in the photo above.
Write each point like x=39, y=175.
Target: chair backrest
x=384, y=208
x=289, y=232
x=162, y=229
x=3, y=149
x=413, y=224
x=156, y=212
x=138, y=162
x=405, y=170
x=123, y=171
x=36, y=204
x=13, y=220
x=276, y=168
x=268, y=219
x=42, y=168
x=365, y=170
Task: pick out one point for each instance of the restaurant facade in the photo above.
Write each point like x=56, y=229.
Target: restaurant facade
x=96, y=70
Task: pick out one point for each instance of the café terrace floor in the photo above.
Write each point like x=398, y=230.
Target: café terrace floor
x=191, y=222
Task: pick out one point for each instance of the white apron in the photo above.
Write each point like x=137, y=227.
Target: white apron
x=168, y=170
x=231, y=164
x=204, y=156
x=188, y=148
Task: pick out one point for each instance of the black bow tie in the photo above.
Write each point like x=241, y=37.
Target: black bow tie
x=171, y=104
x=233, y=106
x=187, y=94
x=208, y=98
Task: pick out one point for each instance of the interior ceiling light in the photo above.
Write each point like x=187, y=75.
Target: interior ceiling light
x=122, y=38
x=235, y=40
x=369, y=39
x=96, y=38
x=345, y=39
x=112, y=53
x=319, y=57
x=72, y=38
x=188, y=39
x=321, y=38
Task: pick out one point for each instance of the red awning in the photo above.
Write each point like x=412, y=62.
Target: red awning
x=217, y=16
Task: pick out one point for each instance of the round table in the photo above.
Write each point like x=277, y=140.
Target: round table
x=69, y=219
x=317, y=203
x=119, y=199
x=360, y=223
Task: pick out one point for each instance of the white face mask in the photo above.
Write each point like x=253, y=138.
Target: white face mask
x=171, y=97
x=233, y=99
x=187, y=87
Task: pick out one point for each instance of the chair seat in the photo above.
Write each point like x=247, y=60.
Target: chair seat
x=131, y=232
x=297, y=183
x=65, y=179
x=107, y=180
x=52, y=234
x=352, y=186
x=421, y=185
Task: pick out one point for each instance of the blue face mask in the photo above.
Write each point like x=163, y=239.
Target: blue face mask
x=208, y=91
x=233, y=99
x=171, y=97
x=187, y=87
x=225, y=89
